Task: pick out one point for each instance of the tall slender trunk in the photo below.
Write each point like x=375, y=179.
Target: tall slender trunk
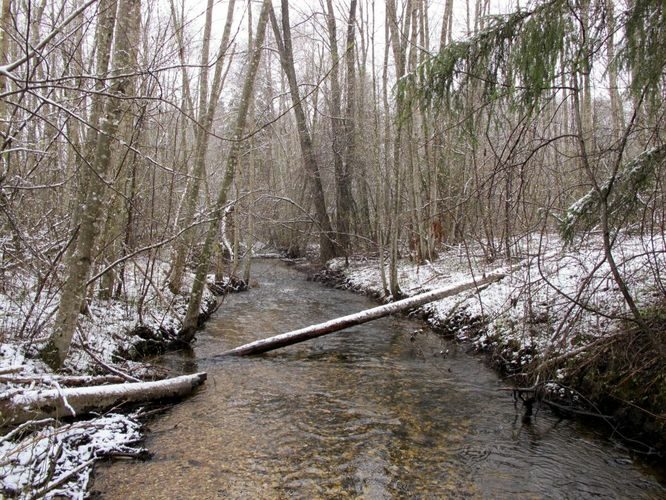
x=5, y=24
x=400, y=58
x=207, y=107
x=79, y=262
x=342, y=211
x=103, y=45
x=617, y=112
x=130, y=131
x=327, y=244
x=343, y=128
x=191, y=320
x=347, y=199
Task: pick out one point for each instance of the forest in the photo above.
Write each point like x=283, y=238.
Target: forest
x=151, y=150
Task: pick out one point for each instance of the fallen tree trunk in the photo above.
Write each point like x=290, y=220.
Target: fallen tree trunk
x=334, y=325
x=66, y=380
x=68, y=402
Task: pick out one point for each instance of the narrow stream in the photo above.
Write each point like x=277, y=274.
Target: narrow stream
x=373, y=412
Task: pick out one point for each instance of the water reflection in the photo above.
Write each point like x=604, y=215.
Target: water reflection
x=375, y=412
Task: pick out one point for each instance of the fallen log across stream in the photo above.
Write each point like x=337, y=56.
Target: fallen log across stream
x=21, y=406
x=335, y=325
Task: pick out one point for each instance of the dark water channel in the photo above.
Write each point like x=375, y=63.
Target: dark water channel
x=365, y=413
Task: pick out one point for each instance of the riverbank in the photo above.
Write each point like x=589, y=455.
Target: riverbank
x=555, y=325
x=376, y=411
x=54, y=458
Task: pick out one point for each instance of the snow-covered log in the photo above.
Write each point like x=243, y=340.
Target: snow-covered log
x=66, y=380
x=334, y=325
x=68, y=402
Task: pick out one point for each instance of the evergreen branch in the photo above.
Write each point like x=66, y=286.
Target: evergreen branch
x=620, y=192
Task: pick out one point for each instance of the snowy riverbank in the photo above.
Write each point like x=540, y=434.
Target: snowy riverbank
x=559, y=321
x=48, y=458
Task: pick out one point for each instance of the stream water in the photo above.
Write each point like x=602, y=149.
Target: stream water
x=377, y=411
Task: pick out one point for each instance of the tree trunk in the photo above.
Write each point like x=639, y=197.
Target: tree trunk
x=5, y=24
x=70, y=402
x=103, y=45
x=342, y=128
x=79, y=261
x=337, y=130
x=190, y=323
x=346, y=197
x=395, y=214
x=207, y=108
x=119, y=207
x=335, y=325
x=327, y=248
x=617, y=113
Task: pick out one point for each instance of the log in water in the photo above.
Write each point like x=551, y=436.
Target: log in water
x=382, y=410
x=349, y=320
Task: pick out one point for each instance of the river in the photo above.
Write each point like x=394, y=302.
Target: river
x=381, y=410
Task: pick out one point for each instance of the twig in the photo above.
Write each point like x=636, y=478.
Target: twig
x=24, y=426
x=61, y=480
x=110, y=368
x=63, y=397
x=11, y=369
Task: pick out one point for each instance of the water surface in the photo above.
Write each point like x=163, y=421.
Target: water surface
x=381, y=410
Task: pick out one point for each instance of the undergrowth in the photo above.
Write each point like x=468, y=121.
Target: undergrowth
x=626, y=377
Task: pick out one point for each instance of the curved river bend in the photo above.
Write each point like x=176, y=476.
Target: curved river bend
x=377, y=411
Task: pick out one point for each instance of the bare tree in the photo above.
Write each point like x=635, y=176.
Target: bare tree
x=79, y=262
x=207, y=106
x=342, y=127
x=326, y=239
x=190, y=323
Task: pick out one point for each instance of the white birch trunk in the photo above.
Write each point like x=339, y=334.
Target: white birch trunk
x=70, y=402
x=335, y=325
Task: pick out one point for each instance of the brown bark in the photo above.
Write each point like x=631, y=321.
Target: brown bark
x=342, y=128
x=5, y=23
x=327, y=244
x=346, y=197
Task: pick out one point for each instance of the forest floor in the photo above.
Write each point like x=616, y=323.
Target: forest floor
x=554, y=325
x=54, y=459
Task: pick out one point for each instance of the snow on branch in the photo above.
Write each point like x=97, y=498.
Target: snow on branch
x=620, y=192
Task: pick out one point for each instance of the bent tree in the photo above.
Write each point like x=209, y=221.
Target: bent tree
x=327, y=244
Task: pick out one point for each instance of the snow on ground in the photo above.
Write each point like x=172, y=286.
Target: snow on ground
x=27, y=316
x=30, y=462
x=55, y=462
x=529, y=314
